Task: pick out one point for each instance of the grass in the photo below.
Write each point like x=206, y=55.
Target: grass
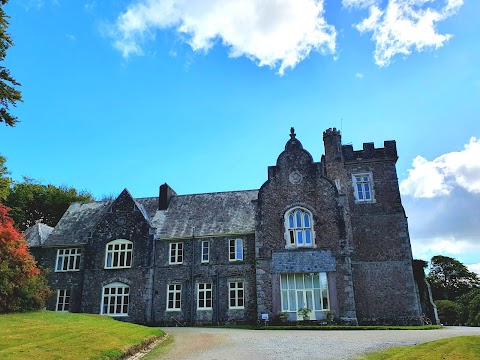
x=457, y=348
x=49, y=335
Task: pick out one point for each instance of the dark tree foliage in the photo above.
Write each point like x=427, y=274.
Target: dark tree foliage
x=448, y=312
x=450, y=279
x=9, y=95
x=5, y=180
x=22, y=286
x=470, y=308
x=31, y=202
x=419, y=276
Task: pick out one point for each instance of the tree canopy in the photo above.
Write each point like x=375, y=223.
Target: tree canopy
x=450, y=279
x=5, y=180
x=22, y=286
x=31, y=202
x=9, y=95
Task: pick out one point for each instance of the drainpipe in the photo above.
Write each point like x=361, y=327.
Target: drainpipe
x=191, y=277
x=152, y=290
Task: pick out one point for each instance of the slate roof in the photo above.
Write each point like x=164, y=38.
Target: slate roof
x=76, y=223
x=207, y=214
x=37, y=234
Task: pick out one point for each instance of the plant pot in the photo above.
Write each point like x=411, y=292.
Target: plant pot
x=330, y=317
x=306, y=317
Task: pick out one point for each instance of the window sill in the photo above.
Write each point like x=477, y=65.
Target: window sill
x=117, y=267
x=67, y=270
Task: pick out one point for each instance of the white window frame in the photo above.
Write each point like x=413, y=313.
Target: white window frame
x=175, y=253
x=296, y=235
x=237, y=253
x=174, y=290
x=115, y=294
x=119, y=254
x=366, y=185
x=68, y=259
x=205, y=253
x=63, y=300
x=204, y=296
x=236, y=294
x=299, y=291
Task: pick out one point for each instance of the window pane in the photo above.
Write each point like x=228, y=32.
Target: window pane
x=290, y=221
x=298, y=216
x=306, y=220
x=317, y=299
x=323, y=280
x=299, y=236
x=316, y=281
x=308, y=239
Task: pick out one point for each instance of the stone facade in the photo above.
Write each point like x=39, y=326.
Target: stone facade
x=327, y=235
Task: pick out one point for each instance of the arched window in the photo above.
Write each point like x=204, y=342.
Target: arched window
x=299, y=228
x=115, y=299
x=118, y=254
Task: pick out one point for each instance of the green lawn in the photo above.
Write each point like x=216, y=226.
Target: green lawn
x=457, y=348
x=45, y=335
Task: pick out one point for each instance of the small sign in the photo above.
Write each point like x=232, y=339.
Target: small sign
x=264, y=316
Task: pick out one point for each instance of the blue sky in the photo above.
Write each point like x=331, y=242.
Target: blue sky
x=202, y=95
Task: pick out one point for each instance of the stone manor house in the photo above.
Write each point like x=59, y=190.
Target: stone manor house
x=327, y=235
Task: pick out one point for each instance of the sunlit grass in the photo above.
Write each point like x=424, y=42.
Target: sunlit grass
x=457, y=348
x=47, y=335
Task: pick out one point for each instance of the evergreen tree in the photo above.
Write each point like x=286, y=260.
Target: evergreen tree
x=9, y=95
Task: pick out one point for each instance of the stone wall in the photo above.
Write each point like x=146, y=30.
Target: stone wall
x=218, y=272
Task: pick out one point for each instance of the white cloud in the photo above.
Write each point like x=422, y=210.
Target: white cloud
x=474, y=268
x=439, y=177
x=403, y=25
x=359, y=75
x=441, y=199
x=275, y=33
x=70, y=37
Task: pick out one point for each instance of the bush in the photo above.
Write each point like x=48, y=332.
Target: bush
x=448, y=312
x=22, y=286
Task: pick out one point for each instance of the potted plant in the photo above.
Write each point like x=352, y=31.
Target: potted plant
x=330, y=315
x=305, y=312
x=282, y=316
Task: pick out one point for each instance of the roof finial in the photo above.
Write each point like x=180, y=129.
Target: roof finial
x=292, y=133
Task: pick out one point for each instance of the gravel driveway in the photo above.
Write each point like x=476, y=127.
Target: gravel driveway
x=219, y=344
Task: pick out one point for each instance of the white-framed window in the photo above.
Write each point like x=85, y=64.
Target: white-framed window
x=236, y=295
x=363, y=186
x=204, y=296
x=205, y=251
x=115, y=299
x=299, y=228
x=68, y=259
x=63, y=300
x=174, y=297
x=236, y=249
x=118, y=254
x=309, y=290
x=176, y=253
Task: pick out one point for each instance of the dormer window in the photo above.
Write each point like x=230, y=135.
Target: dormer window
x=299, y=228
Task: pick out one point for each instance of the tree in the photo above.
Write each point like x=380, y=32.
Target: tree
x=22, y=286
x=448, y=312
x=31, y=202
x=470, y=308
x=5, y=181
x=8, y=93
x=450, y=279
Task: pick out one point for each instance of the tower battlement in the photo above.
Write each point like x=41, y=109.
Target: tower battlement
x=389, y=151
